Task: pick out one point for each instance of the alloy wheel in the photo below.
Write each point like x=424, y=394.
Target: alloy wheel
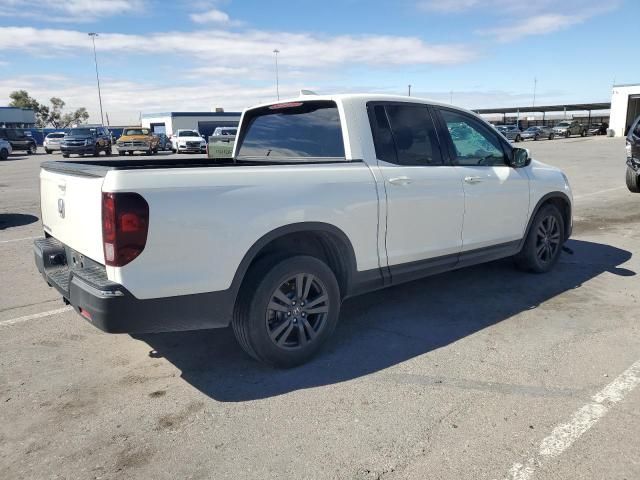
x=297, y=311
x=547, y=239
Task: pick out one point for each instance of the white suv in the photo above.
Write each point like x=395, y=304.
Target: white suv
x=52, y=141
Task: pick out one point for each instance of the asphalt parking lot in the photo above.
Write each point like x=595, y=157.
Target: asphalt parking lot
x=482, y=373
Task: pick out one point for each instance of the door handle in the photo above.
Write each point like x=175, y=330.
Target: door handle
x=472, y=179
x=400, y=181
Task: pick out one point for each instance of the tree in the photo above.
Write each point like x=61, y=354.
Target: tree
x=48, y=115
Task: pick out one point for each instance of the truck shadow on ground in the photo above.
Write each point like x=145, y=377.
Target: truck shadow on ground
x=385, y=328
x=9, y=220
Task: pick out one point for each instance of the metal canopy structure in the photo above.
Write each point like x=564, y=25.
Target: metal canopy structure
x=547, y=108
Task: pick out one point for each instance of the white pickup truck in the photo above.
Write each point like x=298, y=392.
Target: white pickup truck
x=325, y=197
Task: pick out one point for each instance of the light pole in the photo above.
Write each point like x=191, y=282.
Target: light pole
x=409, y=89
x=276, y=51
x=93, y=36
x=535, y=85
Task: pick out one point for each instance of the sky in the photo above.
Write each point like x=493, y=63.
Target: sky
x=159, y=56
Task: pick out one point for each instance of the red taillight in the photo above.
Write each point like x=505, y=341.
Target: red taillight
x=125, y=222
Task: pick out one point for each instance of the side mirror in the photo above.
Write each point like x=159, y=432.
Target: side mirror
x=520, y=157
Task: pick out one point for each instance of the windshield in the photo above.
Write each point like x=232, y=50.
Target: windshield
x=188, y=133
x=293, y=130
x=228, y=131
x=81, y=132
x=532, y=129
x=135, y=131
x=563, y=124
x=55, y=135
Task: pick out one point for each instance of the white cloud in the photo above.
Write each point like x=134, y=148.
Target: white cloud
x=252, y=47
x=537, y=25
x=68, y=10
x=447, y=6
x=211, y=16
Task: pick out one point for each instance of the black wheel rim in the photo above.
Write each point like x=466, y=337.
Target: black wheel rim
x=547, y=239
x=297, y=311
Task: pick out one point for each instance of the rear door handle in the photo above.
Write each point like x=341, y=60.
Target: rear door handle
x=472, y=179
x=400, y=181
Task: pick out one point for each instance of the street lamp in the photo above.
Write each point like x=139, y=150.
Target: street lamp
x=93, y=36
x=276, y=51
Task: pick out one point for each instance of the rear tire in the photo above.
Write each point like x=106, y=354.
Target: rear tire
x=47, y=151
x=518, y=138
x=633, y=180
x=542, y=247
x=65, y=155
x=271, y=321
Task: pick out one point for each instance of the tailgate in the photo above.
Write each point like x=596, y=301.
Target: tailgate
x=71, y=208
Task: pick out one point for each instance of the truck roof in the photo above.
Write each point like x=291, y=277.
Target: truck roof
x=358, y=98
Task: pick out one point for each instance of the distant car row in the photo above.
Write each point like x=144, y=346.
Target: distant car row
x=93, y=140
x=563, y=129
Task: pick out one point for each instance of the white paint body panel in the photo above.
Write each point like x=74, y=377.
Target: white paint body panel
x=204, y=220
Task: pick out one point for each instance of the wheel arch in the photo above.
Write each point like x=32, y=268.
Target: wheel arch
x=322, y=240
x=560, y=200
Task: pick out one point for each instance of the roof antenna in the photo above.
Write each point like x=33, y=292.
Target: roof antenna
x=304, y=92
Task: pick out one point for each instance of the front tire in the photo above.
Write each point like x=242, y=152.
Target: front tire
x=65, y=155
x=4, y=154
x=633, y=180
x=518, y=138
x=47, y=151
x=287, y=310
x=551, y=136
x=542, y=247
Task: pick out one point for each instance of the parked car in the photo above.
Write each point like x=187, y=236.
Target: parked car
x=220, y=131
x=5, y=149
x=86, y=141
x=52, y=141
x=537, y=132
x=164, y=143
x=188, y=141
x=20, y=139
x=137, y=139
x=567, y=128
x=221, y=143
x=511, y=132
x=597, y=129
x=325, y=198
x=633, y=157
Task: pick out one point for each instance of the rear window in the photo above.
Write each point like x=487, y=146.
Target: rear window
x=55, y=135
x=290, y=131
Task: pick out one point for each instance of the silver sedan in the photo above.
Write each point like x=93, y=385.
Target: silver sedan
x=537, y=133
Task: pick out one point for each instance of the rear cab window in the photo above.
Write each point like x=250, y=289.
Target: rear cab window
x=305, y=131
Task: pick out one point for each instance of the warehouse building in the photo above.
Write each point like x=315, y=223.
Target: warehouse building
x=203, y=122
x=14, y=117
x=625, y=107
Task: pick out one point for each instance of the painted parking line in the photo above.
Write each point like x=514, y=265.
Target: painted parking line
x=564, y=435
x=26, y=318
x=18, y=239
x=598, y=192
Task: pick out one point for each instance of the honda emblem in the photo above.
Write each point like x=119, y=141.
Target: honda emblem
x=61, y=207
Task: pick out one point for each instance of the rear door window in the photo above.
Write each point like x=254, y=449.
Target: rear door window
x=404, y=134
x=289, y=131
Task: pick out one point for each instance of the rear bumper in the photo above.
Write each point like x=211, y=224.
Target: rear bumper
x=109, y=306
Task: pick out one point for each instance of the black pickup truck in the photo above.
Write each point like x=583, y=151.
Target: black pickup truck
x=19, y=138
